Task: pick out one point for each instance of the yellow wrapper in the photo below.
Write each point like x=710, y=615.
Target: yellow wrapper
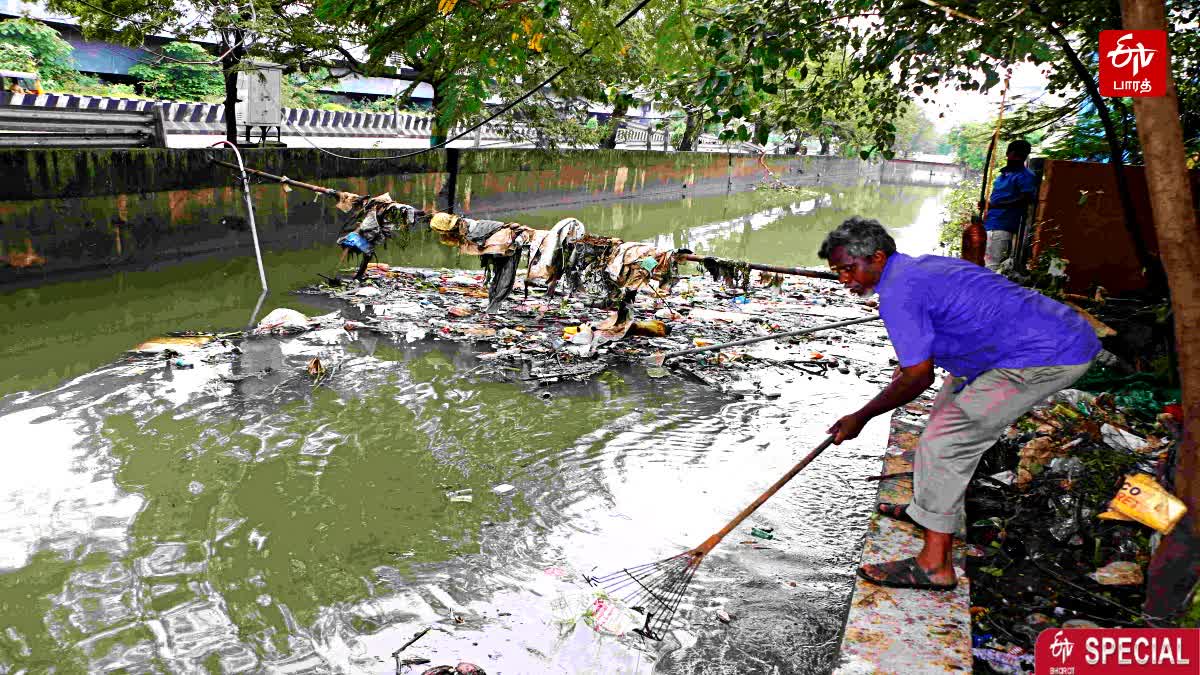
x=1144, y=500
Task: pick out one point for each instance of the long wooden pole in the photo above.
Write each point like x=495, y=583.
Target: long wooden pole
x=711, y=542
x=796, y=271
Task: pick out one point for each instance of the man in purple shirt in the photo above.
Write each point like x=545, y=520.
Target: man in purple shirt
x=1006, y=348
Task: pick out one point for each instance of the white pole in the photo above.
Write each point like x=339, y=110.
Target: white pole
x=262, y=273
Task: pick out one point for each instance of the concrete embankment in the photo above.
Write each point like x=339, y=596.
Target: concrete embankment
x=70, y=212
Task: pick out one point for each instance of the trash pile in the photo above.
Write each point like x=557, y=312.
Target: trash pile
x=1065, y=511
x=542, y=338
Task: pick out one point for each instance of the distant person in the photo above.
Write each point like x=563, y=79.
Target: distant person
x=1006, y=348
x=1012, y=193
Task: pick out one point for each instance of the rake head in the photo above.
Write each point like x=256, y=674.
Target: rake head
x=653, y=590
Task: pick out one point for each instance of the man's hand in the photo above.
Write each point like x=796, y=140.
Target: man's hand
x=847, y=428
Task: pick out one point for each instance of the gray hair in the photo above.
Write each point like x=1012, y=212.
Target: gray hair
x=861, y=237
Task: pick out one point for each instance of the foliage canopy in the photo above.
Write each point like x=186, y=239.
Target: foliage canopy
x=187, y=74
x=38, y=47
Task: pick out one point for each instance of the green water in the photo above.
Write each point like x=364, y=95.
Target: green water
x=59, y=331
x=284, y=498
x=163, y=520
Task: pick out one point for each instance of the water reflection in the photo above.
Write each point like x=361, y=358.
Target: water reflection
x=235, y=517
x=188, y=520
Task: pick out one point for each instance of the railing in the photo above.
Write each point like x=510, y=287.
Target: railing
x=75, y=128
x=711, y=143
x=208, y=119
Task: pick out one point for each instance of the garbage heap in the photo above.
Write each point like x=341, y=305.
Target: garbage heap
x=1065, y=512
x=543, y=338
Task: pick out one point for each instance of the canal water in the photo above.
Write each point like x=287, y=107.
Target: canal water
x=155, y=520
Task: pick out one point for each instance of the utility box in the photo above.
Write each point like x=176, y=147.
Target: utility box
x=260, y=101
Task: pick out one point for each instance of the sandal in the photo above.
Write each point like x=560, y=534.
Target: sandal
x=905, y=573
x=895, y=512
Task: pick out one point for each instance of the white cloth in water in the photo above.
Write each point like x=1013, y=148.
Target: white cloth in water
x=546, y=244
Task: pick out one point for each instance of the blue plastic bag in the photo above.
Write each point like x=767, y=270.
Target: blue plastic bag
x=355, y=240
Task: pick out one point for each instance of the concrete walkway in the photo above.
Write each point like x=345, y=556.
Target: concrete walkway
x=898, y=630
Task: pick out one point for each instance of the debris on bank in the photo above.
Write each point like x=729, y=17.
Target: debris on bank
x=1065, y=512
x=547, y=339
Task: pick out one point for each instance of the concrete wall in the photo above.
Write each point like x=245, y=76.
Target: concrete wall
x=70, y=212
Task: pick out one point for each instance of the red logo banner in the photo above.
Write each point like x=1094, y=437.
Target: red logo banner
x=1146, y=651
x=1133, y=63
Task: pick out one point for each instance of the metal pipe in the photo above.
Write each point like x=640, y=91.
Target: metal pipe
x=281, y=179
x=262, y=272
x=796, y=271
x=773, y=336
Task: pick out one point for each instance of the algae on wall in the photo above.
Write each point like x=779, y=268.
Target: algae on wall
x=54, y=173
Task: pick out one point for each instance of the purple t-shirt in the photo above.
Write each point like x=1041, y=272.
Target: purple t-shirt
x=970, y=319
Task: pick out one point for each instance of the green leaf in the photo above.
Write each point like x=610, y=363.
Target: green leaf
x=701, y=31
x=992, y=79
x=549, y=8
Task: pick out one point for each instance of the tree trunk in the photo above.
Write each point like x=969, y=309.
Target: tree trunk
x=1152, y=267
x=614, y=125
x=439, y=129
x=229, y=64
x=691, y=127
x=1175, y=567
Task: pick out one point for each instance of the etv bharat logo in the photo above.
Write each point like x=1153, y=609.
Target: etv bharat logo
x=1133, y=63
x=1062, y=647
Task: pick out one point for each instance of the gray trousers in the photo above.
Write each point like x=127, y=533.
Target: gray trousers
x=963, y=425
x=999, y=248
